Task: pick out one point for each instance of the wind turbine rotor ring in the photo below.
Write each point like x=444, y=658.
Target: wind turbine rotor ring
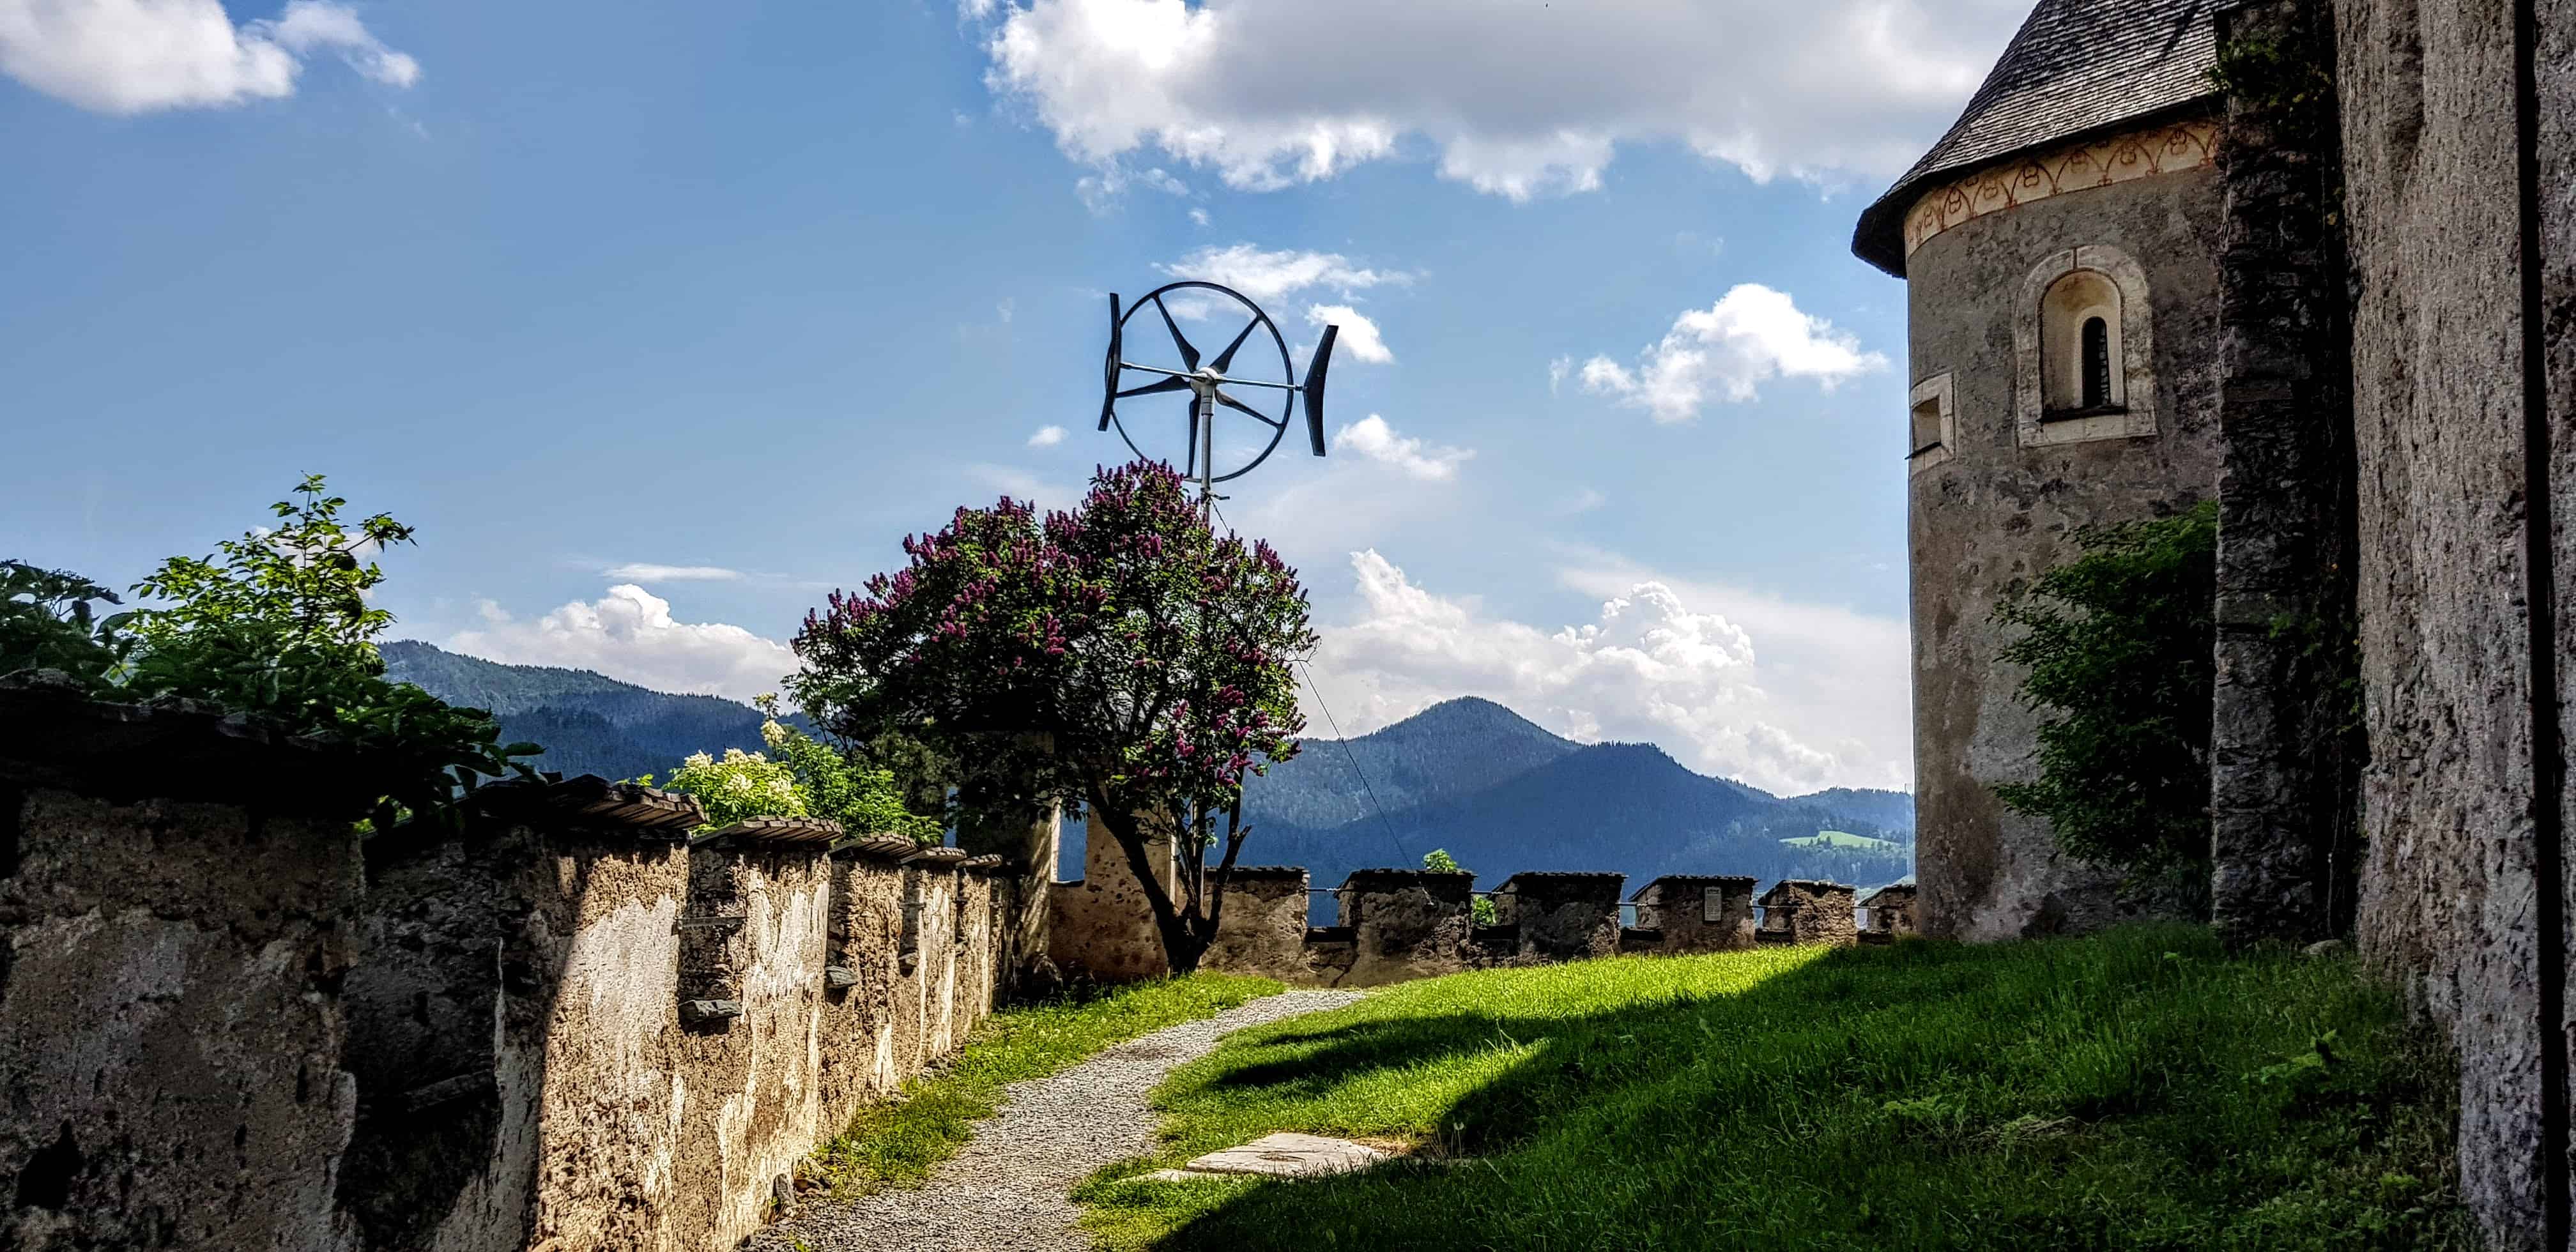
x=1225, y=385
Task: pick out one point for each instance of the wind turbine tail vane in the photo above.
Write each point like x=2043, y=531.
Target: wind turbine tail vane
x=1117, y=336
x=1316, y=371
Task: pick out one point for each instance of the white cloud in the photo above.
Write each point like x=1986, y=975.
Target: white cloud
x=1360, y=337
x=1557, y=370
x=1371, y=437
x=1750, y=336
x=1019, y=484
x=1516, y=100
x=136, y=56
x=1101, y=192
x=1584, y=500
x=1824, y=703
x=1265, y=276
x=1199, y=216
x=1006, y=308
x=1047, y=437
x=629, y=634
x=648, y=573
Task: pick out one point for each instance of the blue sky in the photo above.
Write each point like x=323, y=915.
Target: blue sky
x=658, y=323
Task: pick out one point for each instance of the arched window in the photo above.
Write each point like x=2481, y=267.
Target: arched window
x=2084, y=342
x=2097, y=363
x=2079, y=332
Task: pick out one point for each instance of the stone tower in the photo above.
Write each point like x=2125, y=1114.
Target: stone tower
x=2060, y=249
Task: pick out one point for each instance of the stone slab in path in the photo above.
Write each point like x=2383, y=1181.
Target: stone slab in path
x=1290, y=1155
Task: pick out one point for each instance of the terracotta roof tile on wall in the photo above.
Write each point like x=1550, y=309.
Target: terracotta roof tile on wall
x=2077, y=67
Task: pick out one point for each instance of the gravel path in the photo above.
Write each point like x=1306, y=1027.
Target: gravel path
x=1008, y=1188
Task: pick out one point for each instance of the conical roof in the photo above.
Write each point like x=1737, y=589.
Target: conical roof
x=2077, y=67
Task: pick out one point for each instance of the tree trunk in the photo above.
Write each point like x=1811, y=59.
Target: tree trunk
x=1185, y=942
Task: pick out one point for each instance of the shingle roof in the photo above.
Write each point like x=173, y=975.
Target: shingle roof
x=2077, y=67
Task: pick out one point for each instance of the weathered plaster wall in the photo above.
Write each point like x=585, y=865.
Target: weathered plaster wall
x=1100, y=925
x=1263, y=930
x=2451, y=895
x=551, y=996
x=170, y=1020
x=1406, y=924
x=1800, y=911
x=1561, y=917
x=1996, y=513
x=1698, y=913
x=1891, y=911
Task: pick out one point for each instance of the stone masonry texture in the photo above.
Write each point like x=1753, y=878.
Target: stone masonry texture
x=171, y=968
x=2282, y=764
x=2451, y=899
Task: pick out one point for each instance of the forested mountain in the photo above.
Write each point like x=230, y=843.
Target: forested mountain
x=1503, y=795
x=587, y=723
x=1497, y=791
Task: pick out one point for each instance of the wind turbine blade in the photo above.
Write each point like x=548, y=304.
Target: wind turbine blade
x=1240, y=407
x=1225, y=360
x=1174, y=383
x=1189, y=355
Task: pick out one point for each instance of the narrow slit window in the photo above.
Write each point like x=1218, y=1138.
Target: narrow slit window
x=1927, y=427
x=2097, y=363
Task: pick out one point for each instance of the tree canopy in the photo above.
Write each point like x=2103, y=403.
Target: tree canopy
x=1120, y=655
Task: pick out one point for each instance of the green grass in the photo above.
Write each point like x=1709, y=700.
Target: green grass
x=2132, y=1090
x=1842, y=839
x=900, y=1140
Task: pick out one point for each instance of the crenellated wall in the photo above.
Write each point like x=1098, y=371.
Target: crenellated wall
x=682, y=1020
x=1696, y=913
x=562, y=1023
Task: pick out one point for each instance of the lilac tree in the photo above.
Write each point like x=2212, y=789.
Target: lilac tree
x=1122, y=655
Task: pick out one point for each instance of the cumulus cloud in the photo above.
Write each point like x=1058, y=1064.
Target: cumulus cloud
x=1360, y=336
x=629, y=634
x=1750, y=336
x=1267, y=276
x=137, y=56
x=648, y=573
x=1371, y=437
x=1047, y=437
x=1823, y=703
x=1518, y=100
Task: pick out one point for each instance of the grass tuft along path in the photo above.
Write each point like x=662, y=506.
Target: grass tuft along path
x=900, y=1140
x=2134, y=1090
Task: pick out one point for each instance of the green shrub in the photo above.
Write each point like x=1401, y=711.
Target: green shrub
x=2118, y=647
x=275, y=623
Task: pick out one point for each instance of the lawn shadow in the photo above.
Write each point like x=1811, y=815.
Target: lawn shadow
x=2060, y=1095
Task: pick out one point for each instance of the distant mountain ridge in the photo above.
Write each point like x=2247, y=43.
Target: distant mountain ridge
x=1504, y=795
x=588, y=723
x=1499, y=792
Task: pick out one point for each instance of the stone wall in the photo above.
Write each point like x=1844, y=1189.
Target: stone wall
x=2461, y=404
x=1999, y=501
x=1801, y=911
x=1561, y=917
x=2284, y=759
x=1263, y=928
x=178, y=896
x=1405, y=924
x=1099, y=924
x=1696, y=913
x=590, y=1031
x=1891, y=911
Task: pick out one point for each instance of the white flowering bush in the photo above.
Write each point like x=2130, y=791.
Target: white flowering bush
x=806, y=779
x=738, y=785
